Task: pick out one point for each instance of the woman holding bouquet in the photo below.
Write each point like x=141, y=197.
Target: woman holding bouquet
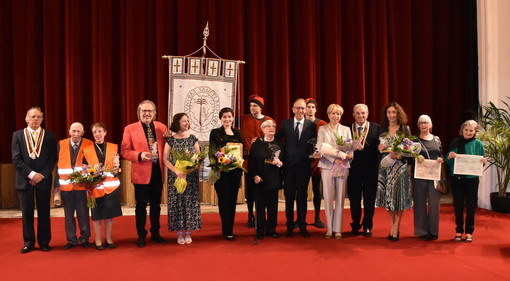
x=227, y=186
x=393, y=188
x=107, y=198
x=426, y=197
x=265, y=165
x=183, y=206
x=465, y=187
x=332, y=140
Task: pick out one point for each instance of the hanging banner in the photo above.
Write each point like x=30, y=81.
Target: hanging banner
x=200, y=87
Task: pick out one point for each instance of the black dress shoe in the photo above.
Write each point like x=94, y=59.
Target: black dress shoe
x=304, y=233
x=158, y=239
x=251, y=222
x=85, y=245
x=425, y=237
x=68, y=246
x=273, y=235
x=141, y=242
x=260, y=236
x=230, y=237
x=45, y=248
x=433, y=237
x=25, y=249
x=110, y=245
x=355, y=232
x=318, y=223
x=289, y=233
x=99, y=247
x=367, y=232
x=394, y=239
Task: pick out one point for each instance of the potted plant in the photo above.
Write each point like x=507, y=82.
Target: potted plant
x=496, y=138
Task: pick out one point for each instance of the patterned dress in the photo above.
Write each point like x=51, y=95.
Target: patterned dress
x=183, y=209
x=393, y=183
x=393, y=187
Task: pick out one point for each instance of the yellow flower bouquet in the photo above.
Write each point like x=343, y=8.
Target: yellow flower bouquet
x=185, y=162
x=224, y=159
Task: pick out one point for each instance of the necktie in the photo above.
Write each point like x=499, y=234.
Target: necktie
x=360, y=130
x=34, y=136
x=75, y=146
x=297, y=130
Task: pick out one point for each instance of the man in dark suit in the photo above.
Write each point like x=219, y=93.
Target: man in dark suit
x=33, y=156
x=143, y=144
x=362, y=180
x=295, y=134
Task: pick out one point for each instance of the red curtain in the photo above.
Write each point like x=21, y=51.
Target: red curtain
x=95, y=60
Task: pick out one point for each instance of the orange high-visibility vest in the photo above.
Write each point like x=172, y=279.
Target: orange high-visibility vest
x=64, y=166
x=111, y=182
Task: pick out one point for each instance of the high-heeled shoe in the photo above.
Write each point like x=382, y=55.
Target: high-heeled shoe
x=99, y=247
x=110, y=245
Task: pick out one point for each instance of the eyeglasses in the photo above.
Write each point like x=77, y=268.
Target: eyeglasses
x=299, y=108
x=147, y=110
x=423, y=122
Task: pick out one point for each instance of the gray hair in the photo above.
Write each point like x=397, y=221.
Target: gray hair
x=468, y=123
x=266, y=123
x=425, y=118
x=140, y=107
x=360, y=105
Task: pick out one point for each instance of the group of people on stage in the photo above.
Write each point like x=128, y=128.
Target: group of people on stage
x=302, y=148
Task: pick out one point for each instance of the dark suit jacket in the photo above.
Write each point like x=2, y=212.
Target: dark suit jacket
x=296, y=152
x=24, y=165
x=367, y=160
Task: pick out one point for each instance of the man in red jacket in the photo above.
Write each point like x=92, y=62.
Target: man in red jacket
x=142, y=144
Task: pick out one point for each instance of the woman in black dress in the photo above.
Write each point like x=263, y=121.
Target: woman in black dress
x=227, y=186
x=265, y=165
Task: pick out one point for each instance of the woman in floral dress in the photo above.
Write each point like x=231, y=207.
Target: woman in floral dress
x=183, y=209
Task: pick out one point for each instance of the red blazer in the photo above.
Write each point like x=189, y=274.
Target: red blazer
x=134, y=142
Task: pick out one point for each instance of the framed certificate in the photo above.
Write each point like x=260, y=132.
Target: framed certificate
x=427, y=170
x=466, y=164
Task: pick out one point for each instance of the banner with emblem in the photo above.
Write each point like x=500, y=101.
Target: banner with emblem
x=200, y=87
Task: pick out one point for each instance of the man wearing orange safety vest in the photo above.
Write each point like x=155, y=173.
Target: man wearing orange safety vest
x=74, y=198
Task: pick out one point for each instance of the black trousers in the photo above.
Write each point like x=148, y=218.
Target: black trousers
x=266, y=200
x=149, y=193
x=227, y=188
x=42, y=199
x=296, y=189
x=361, y=184
x=317, y=197
x=249, y=192
x=465, y=190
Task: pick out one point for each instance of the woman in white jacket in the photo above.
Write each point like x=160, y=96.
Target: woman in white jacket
x=333, y=185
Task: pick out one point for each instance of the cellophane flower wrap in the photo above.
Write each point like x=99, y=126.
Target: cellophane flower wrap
x=401, y=144
x=89, y=177
x=346, y=145
x=185, y=162
x=224, y=159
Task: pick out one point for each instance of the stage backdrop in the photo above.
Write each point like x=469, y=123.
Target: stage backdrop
x=95, y=60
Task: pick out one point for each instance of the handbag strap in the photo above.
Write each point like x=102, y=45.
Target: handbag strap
x=423, y=146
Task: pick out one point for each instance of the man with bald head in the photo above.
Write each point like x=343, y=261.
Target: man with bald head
x=362, y=180
x=74, y=198
x=33, y=156
x=295, y=134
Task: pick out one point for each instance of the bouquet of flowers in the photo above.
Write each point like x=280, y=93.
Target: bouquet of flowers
x=401, y=144
x=224, y=159
x=90, y=176
x=185, y=162
x=348, y=146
